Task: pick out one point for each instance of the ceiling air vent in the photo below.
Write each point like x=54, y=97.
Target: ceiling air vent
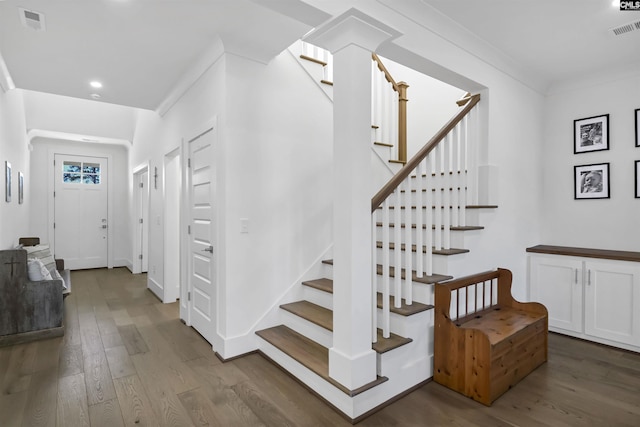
x=32, y=19
x=625, y=28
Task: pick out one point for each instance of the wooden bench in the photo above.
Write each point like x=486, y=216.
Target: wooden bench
x=485, y=341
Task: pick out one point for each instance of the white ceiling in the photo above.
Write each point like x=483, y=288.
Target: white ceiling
x=139, y=49
x=556, y=39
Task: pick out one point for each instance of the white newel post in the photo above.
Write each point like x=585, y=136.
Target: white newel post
x=351, y=38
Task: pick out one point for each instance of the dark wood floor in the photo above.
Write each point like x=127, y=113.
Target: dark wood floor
x=126, y=359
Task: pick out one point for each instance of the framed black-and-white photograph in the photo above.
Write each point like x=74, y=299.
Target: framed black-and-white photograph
x=637, y=179
x=20, y=188
x=591, y=134
x=7, y=178
x=591, y=181
x=638, y=127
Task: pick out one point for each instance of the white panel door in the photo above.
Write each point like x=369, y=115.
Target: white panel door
x=556, y=282
x=80, y=211
x=202, y=271
x=612, y=301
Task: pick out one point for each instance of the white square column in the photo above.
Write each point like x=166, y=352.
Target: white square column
x=352, y=37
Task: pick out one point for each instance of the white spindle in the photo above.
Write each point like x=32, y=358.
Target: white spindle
x=455, y=178
x=408, y=264
x=397, y=241
x=464, y=184
x=438, y=198
x=429, y=214
x=446, y=185
x=386, y=329
x=418, y=216
x=374, y=281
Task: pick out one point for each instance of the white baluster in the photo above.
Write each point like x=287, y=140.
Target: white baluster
x=455, y=178
x=418, y=221
x=408, y=264
x=374, y=280
x=446, y=185
x=464, y=184
x=438, y=198
x=386, y=329
x=397, y=241
x=429, y=162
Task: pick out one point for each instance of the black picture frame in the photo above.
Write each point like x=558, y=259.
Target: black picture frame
x=637, y=174
x=638, y=127
x=7, y=178
x=591, y=181
x=591, y=134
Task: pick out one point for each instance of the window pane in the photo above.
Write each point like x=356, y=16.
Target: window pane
x=91, y=179
x=71, y=167
x=91, y=168
x=71, y=178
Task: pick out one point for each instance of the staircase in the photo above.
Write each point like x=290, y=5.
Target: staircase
x=419, y=222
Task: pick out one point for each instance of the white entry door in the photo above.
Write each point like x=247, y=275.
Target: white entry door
x=202, y=301
x=80, y=211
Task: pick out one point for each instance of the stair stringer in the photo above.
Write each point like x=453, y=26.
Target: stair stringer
x=238, y=345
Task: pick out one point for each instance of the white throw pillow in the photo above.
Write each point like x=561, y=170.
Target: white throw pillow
x=55, y=275
x=37, y=270
x=43, y=254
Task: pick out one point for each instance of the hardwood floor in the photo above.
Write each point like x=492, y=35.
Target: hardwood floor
x=126, y=360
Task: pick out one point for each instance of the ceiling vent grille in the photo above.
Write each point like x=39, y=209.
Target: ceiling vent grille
x=32, y=19
x=625, y=28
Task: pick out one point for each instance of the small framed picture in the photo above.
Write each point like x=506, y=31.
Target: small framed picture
x=637, y=179
x=591, y=181
x=591, y=134
x=20, y=188
x=638, y=127
x=7, y=185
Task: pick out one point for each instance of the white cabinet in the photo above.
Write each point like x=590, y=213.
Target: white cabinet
x=595, y=299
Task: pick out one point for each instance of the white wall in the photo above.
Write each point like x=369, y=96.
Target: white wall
x=431, y=104
x=13, y=148
x=78, y=116
x=602, y=223
x=42, y=174
x=273, y=167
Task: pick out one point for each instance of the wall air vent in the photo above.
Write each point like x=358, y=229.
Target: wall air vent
x=32, y=19
x=625, y=28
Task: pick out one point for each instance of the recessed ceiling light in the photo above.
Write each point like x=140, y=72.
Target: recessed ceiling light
x=96, y=84
x=95, y=96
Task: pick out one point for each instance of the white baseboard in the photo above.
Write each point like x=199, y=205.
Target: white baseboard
x=156, y=288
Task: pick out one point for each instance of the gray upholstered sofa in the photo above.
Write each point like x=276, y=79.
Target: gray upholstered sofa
x=29, y=310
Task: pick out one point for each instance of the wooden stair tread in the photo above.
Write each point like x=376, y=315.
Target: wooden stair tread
x=325, y=285
x=434, y=278
x=308, y=353
x=327, y=82
x=452, y=228
x=309, y=58
x=324, y=318
x=404, y=309
x=383, y=144
x=313, y=313
x=386, y=344
x=447, y=252
x=397, y=161
x=450, y=207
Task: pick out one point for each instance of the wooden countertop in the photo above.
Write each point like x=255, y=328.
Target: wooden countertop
x=586, y=252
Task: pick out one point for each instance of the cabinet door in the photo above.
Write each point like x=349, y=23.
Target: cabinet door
x=556, y=282
x=612, y=301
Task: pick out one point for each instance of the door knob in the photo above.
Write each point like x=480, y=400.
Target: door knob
x=209, y=249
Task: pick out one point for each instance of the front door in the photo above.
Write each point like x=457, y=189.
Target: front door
x=202, y=302
x=80, y=211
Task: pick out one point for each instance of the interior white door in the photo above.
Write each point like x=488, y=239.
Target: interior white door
x=202, y=273
x=80, y=211
x=144, y=222
x=172, y=183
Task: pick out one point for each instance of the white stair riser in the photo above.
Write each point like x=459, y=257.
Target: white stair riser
x=456, y=236
x=321, y=298
x=440, y=262
x=470, y=217
x=310, y=330
x=420, y=292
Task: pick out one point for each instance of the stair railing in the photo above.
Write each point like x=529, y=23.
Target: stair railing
x=389, y=107
x=430, y=191
x=389, y=99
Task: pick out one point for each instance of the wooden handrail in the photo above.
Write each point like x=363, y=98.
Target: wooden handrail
x=397, y=179
x=387, y=75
